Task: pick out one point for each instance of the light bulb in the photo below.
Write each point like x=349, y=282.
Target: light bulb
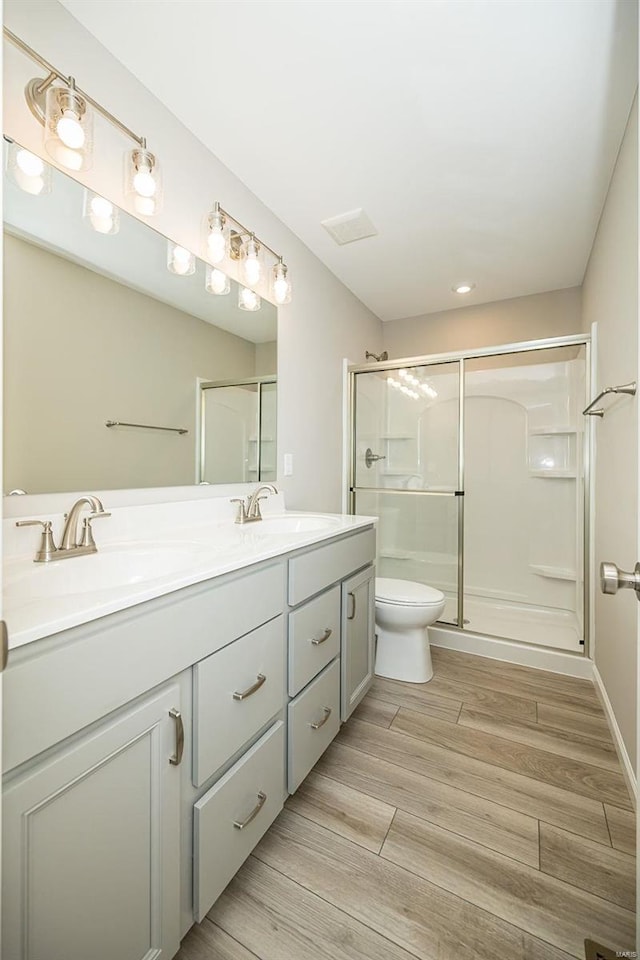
x=144, y=205
x=180, y=260
x=30, y=165
x=248, y=299
x=281, y=285
x=251, y=266
x=217, y=282
x=70, y=131
x=101, y=207
x=216, y=246
x=144, y=183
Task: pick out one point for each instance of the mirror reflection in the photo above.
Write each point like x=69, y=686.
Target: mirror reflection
x=101, y=328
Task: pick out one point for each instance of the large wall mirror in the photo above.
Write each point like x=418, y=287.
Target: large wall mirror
x=107, y=352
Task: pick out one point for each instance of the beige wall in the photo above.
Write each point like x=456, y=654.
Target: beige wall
x=541, y=315
x=324, y=323
x=611, y=299
x=81, y=349
x=266, y=358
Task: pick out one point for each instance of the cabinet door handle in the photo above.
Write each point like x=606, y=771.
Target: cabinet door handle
x=325, y=636
x=241, y=824
x=4, y=644
x=320, y=723
x=352, y=615
x=177, y=757
x=243, y=694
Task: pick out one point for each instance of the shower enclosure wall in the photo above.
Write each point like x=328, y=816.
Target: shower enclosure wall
x=475, y=465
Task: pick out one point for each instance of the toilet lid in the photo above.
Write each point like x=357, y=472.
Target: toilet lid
x=406, y=591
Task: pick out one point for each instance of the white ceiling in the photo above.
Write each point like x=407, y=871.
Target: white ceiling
x=478, y=135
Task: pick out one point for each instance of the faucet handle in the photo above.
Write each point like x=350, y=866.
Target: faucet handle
x=256, y=514
x=86, y=537
x=242, y=510
x=47, y=545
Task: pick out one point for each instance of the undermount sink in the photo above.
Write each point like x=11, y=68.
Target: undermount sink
x=306, y=523
x=117, y=565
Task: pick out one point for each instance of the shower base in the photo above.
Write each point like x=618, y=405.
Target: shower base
x=517, y=621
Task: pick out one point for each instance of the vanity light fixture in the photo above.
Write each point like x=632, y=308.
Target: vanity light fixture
x=66, y=113
x=462, y=288
x=217, y=282
x=280, y=283
x=180, y=260
x=248, y=299
x=100, y=213
x=27, y=171
x=216, y=238
x=244, y=247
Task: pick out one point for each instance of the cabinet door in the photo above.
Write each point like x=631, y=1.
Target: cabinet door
x=91, y=852
x=358, y=639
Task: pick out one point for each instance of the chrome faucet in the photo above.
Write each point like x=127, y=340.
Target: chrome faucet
x=249, y=512
x=70, y=545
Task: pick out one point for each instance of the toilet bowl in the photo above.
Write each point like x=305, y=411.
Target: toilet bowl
x=404, y=610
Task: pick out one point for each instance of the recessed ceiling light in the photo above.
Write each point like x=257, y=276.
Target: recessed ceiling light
x=463, y=287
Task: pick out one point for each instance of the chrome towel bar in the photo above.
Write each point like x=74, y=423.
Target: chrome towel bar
x=629, y=388
x=144, y=426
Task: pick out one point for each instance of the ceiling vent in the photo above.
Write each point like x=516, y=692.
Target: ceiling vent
x=347, y=227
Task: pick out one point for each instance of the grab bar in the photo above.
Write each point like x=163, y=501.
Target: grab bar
x=628, y=388
x=144, y=426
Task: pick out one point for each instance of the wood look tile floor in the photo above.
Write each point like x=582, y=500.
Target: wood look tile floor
x=482, y=815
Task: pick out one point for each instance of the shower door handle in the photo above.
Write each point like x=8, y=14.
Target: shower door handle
x=613, y=579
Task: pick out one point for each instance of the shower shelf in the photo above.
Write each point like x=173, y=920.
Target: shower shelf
x=554, y=474
x=551, y=431
x=398, y=436
x=552, y=573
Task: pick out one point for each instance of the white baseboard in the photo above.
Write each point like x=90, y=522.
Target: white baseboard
x=623, y=756
x=540, y=658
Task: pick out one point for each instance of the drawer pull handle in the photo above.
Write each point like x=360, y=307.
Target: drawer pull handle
x=352, y=615
x=241, y=824
x=177, y=757
x=325, y=636
x=243, y=694
x=320, y=723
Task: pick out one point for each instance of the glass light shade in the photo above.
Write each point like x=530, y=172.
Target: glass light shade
x=280, y=284
x=217, y=282
x=250, y=262
x=180, y=260
x=102, y=215
x=28, y=171
x=68, y=128
x=216, y=236
x=143, y=182
x=248, y=299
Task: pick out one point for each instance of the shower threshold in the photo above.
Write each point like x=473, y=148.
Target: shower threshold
x=542, y=626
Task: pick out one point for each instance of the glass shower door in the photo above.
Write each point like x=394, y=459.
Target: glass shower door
x=406, y=470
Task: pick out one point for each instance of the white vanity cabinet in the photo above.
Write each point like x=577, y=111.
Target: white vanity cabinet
x=358, y=643
x=90, y=846
x=118, y=831
x=331, y=644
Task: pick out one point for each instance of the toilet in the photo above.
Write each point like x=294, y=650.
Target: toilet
x=404, y=611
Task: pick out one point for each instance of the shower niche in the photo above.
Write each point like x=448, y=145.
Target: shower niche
x=478, y=481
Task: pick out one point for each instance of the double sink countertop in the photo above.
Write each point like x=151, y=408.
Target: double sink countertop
x=145, y=552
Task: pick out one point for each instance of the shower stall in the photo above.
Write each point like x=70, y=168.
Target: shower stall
x=477, y=466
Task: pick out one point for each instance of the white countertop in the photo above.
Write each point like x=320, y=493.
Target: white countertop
x=207, y=542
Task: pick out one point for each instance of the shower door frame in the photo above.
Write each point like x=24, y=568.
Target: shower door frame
x=459, y=357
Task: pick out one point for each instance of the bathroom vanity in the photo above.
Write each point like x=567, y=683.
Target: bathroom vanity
x=149, y=748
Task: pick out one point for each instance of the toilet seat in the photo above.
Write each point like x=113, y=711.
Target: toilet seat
x=406, y=593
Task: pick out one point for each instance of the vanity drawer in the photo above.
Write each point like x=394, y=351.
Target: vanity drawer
x=312, y=572
x=314, y=638
x=313, y=722
x=231, y=700
x=250, y=793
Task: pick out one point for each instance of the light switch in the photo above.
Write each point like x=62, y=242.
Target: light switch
x=288, y=465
